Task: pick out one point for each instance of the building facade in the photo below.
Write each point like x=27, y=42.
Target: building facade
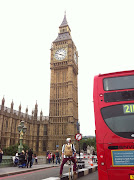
x=48, y=133
x=36, y=135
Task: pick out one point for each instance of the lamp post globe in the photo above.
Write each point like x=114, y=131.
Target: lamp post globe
x=22, y=123
x=19, y=127
x=24, y=129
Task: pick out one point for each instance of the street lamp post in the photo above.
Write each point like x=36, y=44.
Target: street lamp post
x=22, y=129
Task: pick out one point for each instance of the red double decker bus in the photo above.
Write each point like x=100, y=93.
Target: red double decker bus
x=114, y=121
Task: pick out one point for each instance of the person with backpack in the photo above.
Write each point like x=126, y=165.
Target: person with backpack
x=57, y=154
x=68, y=153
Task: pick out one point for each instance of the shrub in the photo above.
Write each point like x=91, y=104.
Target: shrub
x=11, y=150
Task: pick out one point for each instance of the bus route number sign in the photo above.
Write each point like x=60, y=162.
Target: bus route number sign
x=78, y=137
x=128, y=108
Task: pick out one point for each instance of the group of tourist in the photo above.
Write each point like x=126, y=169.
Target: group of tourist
x=68, y=153
x=53, y=157
x=26, y=157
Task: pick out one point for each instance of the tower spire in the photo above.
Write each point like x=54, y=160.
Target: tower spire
x=64, y=22
x=64, y=30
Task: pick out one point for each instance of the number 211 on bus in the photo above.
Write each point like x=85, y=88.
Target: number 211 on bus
x=113, y=96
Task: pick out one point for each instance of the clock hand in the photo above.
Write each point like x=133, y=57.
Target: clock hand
x=61, y=54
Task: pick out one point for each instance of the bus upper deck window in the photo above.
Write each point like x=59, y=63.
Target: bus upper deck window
x=106, y=88
x=118, y=83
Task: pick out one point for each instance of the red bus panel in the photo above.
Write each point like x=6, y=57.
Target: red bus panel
x=114, y=121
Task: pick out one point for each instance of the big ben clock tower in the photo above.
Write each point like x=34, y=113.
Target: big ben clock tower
x=63, y=113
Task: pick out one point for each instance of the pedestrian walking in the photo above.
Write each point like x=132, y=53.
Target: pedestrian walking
x=1, y=154
x=16, y=155
x=30, y=154
x=53, y=157
x=36, y=159
x=47, y=153
x=16, y=159
x=49, y=158
x=57, y=156
x=26, y=156
x=32, y=159
x=93, y=158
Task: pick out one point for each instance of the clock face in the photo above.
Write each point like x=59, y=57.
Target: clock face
x=60, y=54
x=75, y=58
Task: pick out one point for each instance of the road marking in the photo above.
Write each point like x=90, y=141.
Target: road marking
x=52, y=178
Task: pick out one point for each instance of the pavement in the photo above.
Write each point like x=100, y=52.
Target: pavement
x=6, y=171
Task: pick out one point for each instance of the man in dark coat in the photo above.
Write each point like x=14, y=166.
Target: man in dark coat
x=30, y=154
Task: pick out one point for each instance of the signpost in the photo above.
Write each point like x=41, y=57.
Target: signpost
x=81, y=164
x=78, y=137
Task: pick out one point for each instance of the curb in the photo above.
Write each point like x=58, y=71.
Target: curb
x=80, y=173
x=23, y=171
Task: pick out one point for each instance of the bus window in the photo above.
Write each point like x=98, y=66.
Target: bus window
x=120, y=122
x=116, y=83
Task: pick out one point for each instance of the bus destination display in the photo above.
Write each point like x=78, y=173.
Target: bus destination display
x=128, y=108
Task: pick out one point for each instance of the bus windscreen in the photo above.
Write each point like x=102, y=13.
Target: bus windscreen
x=118, y=83
x=120, y=119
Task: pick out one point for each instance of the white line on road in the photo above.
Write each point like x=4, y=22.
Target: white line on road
x=52, y=178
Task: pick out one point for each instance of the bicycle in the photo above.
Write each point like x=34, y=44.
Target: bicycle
x=72, y=174
x=70, y=164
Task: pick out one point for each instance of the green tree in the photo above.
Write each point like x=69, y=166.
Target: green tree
x=11, y=150
x=85, y=142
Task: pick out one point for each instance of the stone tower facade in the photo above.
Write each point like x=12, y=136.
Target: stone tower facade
x=63, y=88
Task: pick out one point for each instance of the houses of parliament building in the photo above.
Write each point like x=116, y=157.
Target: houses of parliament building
x=49, y=132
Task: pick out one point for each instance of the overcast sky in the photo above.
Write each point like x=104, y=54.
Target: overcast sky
x=102, y=30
